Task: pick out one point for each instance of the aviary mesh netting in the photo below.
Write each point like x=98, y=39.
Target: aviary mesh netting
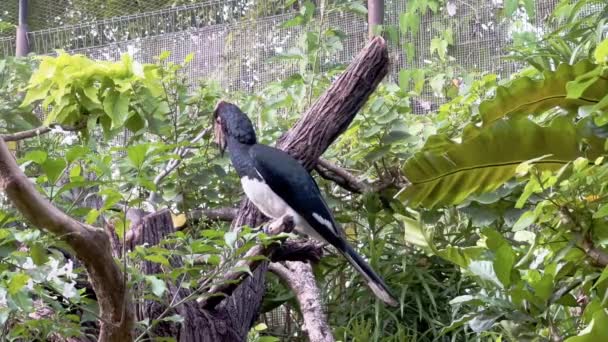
x=234, y=40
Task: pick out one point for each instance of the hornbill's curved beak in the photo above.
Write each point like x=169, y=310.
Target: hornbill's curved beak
x=218, y=129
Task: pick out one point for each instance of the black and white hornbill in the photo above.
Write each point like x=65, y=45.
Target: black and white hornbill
x=278, y=185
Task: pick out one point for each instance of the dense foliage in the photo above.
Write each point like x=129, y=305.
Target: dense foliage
x=488, y=216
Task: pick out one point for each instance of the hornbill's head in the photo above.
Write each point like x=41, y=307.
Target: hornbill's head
x=231, y=123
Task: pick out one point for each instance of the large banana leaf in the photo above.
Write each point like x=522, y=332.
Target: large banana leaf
x=526, y=96
x=487, y=159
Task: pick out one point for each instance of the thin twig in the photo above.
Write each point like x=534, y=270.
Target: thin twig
x=39, y=131
x=172, y=164
x=242, y=269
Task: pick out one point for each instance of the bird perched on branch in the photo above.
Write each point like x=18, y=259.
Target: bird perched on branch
x=279, y=186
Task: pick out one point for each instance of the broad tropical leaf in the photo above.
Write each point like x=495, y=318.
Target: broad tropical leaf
x=526, y=96
x=488, y=157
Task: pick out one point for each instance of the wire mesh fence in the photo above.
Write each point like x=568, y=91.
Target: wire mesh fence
x=45, y=15
x=234, y=41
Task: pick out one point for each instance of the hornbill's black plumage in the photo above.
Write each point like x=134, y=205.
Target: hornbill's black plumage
x=279, y=185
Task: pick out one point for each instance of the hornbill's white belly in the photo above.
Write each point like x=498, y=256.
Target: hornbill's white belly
x=273, y=206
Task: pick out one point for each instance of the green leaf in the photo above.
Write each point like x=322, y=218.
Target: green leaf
x=27, y=235
x=164, y=55
x=577, y=88
x=437, y=82
x=494, y=240
x=440, y=46
x=413, y=231
x=157, y=258
x=404, y=80
x=137, y=154
x=242, y=269
x=418, y=76
x=597, y=330
x=37, y=92
x=403, y=22
x=602, y=277
x=525, y=96
x=530, y=6
x=53, y=168
x=116, y=106
x=461, y=256
x=503, y=264
x=230, y=239
x=524, y=221
x=465, y=299
x=5, y=313
x=483, y=322
x=357, y=8
x=414, y=23
x=76, y=152
x=91, y=92
x=260, y=327
x=542, y=285
x=92, y=216
x=189, y=58
x=601, y=211
x=38, y=254
x=36, y=156
x=393, y=34
x=268, y=339
x=511, y=7
x=158, y=286
x=174, y=318
x=17, y=282
x=601, y=52
x=484, y=269
x=410, y=51
x=448, y=172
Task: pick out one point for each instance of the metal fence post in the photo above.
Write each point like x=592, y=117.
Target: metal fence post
x=22, y=44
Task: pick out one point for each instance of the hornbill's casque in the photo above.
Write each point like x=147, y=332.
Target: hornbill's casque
x=278, y=185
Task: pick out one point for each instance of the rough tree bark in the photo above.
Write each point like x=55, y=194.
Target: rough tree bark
x=307, y=294
x=152, y=229
x=306, y=141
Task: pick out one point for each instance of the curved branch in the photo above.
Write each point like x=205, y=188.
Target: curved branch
x=597, y=255
x=39, y=131
x=346, y=180
x=172, y=164
x=340, y=176
x=91, y=245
